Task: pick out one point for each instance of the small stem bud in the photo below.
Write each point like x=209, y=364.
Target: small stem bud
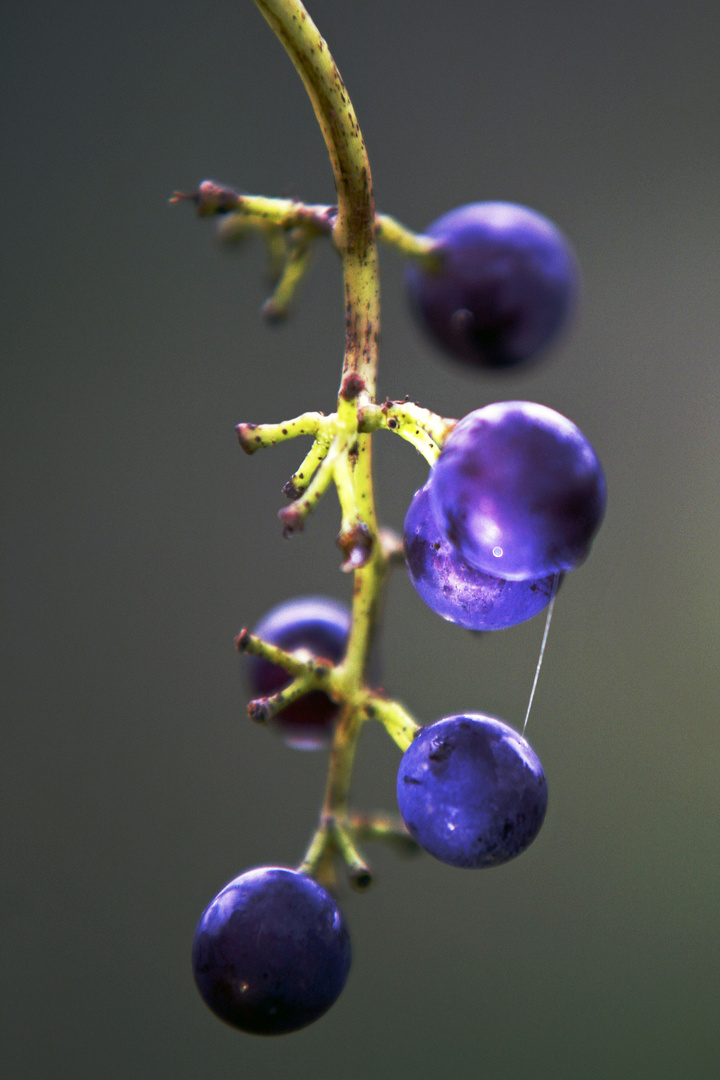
x=356, y=544
x=249, y=441
x=290, y=491
x=258, y=711
x=210, y=198
x=360, y=879
x=352, y=385
x=292, y=520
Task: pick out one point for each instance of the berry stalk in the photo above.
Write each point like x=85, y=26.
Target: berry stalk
x=353, y=234
x=354, y=228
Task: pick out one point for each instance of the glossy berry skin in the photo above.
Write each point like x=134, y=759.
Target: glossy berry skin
x=518, y=490
x=457, y=591
x=271, y=953
x=319, y=626
x=506, y=285
x=471, y=791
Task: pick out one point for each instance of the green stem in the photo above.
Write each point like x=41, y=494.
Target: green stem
x=399, y=725
x=263, y=709
x=360, y=876
x=353, y=234
x=276, y=308
x=256, y=436
x=354, y=228
x=422, y=249
x=293, y=516
x=382, y=828
x=303, y=475
x=248, y=211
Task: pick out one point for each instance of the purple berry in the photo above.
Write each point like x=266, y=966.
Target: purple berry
x=318, y=626
x=271, y=953
x=457, y=591
x=472, y=791
x=518, y=490
x=506, y=284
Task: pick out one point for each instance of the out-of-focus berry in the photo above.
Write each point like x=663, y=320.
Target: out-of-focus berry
x=315, y=626
x=506, y=284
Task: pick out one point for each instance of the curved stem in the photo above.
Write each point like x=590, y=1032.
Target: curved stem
x=354, y=228
x=353, y=233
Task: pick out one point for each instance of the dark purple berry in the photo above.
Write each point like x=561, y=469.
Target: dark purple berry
x=472, y=791
x=518, y=490
x=506, y=284
x=271, y=953
x=457, y=591
x=317, y=626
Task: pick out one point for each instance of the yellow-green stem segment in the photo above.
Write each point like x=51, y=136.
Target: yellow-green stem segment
x=354, y=228
x=353, y=234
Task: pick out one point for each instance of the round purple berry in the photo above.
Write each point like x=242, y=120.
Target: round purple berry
x=505, y=286
x=271, y=952
x=472, y=791
x=518, y=490
x=459, y=592
x=316, y=626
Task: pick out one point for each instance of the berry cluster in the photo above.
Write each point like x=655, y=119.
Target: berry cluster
x=513, y=501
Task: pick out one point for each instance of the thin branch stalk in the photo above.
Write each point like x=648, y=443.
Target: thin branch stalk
x=353, y=233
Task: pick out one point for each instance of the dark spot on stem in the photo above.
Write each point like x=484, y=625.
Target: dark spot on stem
x=290, y=491
x=352, y=385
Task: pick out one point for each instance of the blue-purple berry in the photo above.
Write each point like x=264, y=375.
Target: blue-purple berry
x=518, y=490
x=471, y=791
x=505, y=286
x=459, y=592
x=317, y=626
x=271, y=952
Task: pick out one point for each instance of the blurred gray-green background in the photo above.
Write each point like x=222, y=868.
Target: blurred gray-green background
x=137, y=538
